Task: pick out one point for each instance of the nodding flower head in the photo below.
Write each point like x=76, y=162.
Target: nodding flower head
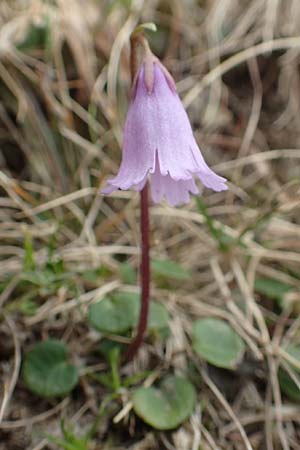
x=158, y=142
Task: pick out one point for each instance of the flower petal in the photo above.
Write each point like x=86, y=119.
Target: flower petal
x=171, y=130
x=175, y=192
x=138, y=156
x=207, y=176
x=138, y=187
x=158, y=139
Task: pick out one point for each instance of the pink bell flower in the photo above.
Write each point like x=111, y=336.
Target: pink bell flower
x=159, y=143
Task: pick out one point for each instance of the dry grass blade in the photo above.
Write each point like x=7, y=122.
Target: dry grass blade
x=10, y=385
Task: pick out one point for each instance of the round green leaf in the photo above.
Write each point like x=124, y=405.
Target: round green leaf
x=158, y=316
x=169, y=269
x=287, y=384
x=46, y=371
x=114, y=314
x=166, y=407
x=128, y=273
x=120, y=313
x=217, y=342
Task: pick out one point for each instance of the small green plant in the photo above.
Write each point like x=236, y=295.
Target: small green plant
x=112, y=352
x=69, y=441
x=127, y=273
x=119, y=313
x=287, y=384
x=166, y=406
x=166, y=268
x=273, y=289
x=217, y=232
x=216, y=342
x=46, y=370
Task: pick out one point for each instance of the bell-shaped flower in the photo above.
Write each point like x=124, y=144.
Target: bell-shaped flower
x=158, y=142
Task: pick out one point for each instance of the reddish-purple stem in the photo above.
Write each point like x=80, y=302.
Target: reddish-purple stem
x=135, y=41
x=145, y=277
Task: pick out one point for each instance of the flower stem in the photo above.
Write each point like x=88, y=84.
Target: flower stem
x=145, y=276
x=138, y=40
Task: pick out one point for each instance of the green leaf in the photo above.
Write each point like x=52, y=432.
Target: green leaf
x=217, y=342
x=46, y=371
x=115, y=314
x=78, y=444
x=91, y=275
x=106, y=346
x=29, y=262
x=128, y=274
x=273, y=289
x=158, y=316
x=169, y=269
x=167, y=406
x=224, y=241
x=287, y=384
x=119, y=313
x=27, y=306
x=37, y=37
